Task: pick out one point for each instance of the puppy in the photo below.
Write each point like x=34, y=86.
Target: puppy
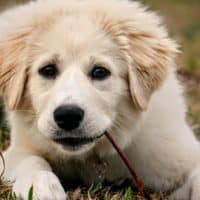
x=70, y=70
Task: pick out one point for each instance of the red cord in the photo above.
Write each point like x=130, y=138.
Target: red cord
x=138, y=180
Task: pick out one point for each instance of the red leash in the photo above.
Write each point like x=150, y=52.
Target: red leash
x=138, y=181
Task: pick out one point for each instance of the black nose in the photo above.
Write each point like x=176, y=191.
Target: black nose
x=68, y=117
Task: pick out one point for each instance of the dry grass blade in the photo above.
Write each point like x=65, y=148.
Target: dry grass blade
x=3, y=161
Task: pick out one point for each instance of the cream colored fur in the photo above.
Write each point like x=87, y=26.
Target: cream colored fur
x=141, y=104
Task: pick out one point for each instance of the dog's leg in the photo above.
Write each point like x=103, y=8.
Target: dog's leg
x=33, y=171
x=190, y=190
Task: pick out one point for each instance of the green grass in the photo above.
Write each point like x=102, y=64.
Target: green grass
x=4, y=138
x=194, y=108
x=104, y=194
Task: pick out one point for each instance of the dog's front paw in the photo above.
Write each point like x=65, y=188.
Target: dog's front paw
x=46, y=186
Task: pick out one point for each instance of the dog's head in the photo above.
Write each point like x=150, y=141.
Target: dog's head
x=82, y=67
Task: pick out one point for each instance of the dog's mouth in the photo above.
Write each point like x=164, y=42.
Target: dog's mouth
x=76, y=143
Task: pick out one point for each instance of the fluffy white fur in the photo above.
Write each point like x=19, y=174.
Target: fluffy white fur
x=141, y=104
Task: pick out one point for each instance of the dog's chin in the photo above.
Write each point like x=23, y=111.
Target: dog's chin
x=77, y=144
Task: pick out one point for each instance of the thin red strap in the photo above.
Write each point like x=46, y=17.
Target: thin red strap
x=138, y=180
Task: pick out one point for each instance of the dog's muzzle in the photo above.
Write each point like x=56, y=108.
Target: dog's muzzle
x=68, y=119
x=76, y=143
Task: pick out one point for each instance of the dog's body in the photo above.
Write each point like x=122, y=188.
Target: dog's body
x=135, y=96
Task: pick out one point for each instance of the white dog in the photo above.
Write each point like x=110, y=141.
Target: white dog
x=71, y=70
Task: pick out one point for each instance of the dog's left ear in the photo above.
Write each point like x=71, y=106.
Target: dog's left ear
x=150, y=55
x=13, y=72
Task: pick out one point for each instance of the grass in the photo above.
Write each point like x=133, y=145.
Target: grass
x=92, y=193
x=182, y=18
x=194, y=107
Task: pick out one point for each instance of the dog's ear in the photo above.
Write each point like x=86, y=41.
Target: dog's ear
x=149, y=60
x=13, y=73
x=149, y=54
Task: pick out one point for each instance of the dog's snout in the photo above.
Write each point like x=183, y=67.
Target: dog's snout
x=68, y=117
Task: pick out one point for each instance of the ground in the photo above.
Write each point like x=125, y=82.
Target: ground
x=182, y=19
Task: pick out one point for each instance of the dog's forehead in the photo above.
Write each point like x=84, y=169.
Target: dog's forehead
x=74, y=34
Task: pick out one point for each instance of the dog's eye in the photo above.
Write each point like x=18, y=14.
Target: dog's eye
x=99, y=73
x=49, y=71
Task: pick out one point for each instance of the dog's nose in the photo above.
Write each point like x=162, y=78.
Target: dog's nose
x=68, y=117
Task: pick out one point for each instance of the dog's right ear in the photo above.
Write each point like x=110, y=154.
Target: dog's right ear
x=13, y=70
